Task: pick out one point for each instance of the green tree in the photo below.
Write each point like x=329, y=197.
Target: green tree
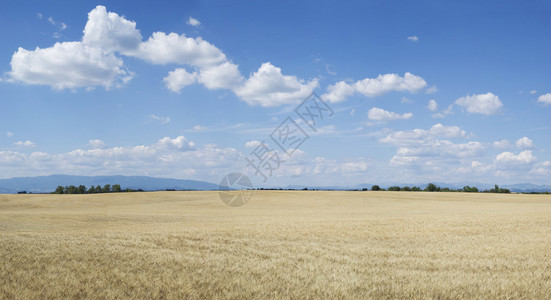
x=406, y=188
x=116, y=188
x=431, y=187
x=469, y=189
x=92, y=190
x=72, y=189
x=106, y=188
x=98, y=188
x=394, y=188
x=497, y=189
x=81, y=189
x=59, y=190
x=416, y=189
x=375, y=188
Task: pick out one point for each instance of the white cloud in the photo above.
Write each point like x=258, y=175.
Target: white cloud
x=60, y=25
x=199, y=128
x=81, y=66
x=178, y=79
x=524, y=143
x=545, y=99
x=27, y=144
x=162, y=48
x=479, y=167
x=193, y=22
x=390, y=82
x=439, y=130
x=503, y=144
x=268, y=87
x=372, y=87
x=430, y=151
x=405, y=100
x=378, y=114
x=163, y=120
x=222, y=76
x=170, y=157
x=508, y=158
x=96, y=144
x=420, y=137
x=432, y=106
x=338, y=92
x=443, y=114
x=9, y=134
x=433, y=89
x=487, y=104
x=438, y=150
x=252, y=144
x=110, y=32
x=180, y=143
x=543, y=169
x=532, y=92
x=94, y=62
x=413, y=38
x=177, y=158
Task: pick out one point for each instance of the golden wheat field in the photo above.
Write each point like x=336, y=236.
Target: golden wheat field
x=282, y=244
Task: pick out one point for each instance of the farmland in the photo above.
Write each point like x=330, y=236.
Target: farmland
x=282, y=244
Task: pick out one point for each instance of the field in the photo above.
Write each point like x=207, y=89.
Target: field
x=282, y=244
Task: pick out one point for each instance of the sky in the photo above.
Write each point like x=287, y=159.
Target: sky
x=405, y=91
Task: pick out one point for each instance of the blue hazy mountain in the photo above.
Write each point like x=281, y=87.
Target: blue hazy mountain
x=46, y=184
x=516, y=188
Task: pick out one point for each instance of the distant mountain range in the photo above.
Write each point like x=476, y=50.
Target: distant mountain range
x=515, y=188
x=47, y=184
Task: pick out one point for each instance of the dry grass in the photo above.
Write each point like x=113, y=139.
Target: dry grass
x=282, y=244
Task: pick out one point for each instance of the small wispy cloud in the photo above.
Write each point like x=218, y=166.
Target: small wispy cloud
x=27, y=144
x=96, y=144
x=413, y=38
x=193, y=22
x=432, y=105
x=60, y=25
x=9, y=134
x=443, y=114
x=431, y=90
x=199, y=128
x=406, y=100
x=252, y=144
x=163, y=120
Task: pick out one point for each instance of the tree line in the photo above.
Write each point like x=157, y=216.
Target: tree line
x=81, y=189
x=431, y=187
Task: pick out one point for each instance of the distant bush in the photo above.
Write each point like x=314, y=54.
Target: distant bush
x=81, y=189
x=498, y=190
x=431, y=187
x=469, y=189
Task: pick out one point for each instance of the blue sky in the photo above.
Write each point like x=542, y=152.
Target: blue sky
x=421, y=90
